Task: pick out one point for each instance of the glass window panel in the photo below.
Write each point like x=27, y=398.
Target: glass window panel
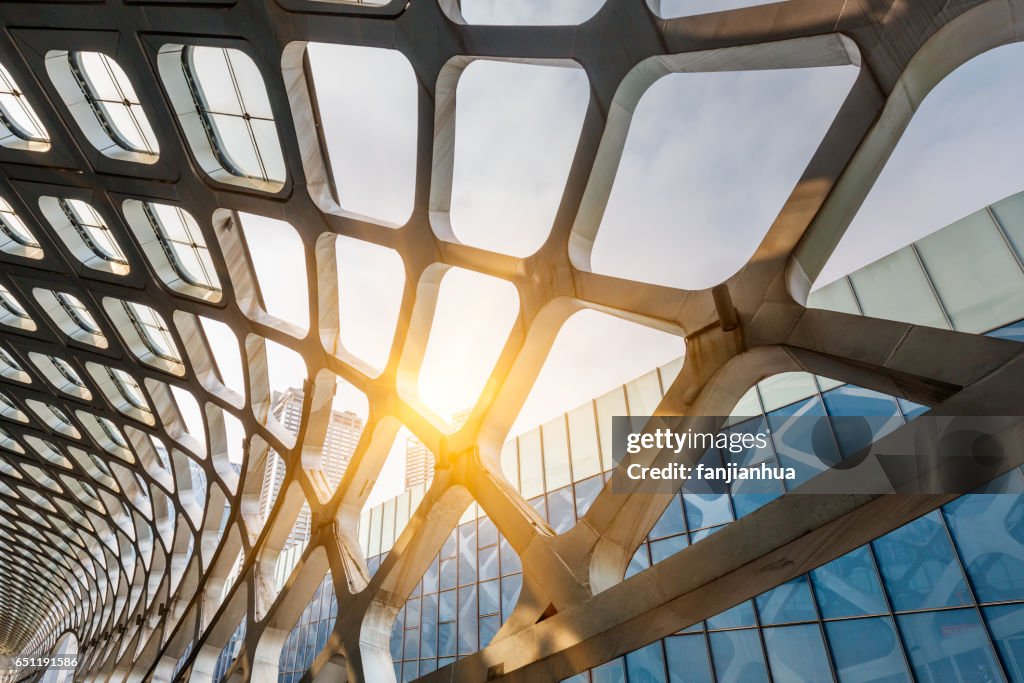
x=647, y=664
x=949, y=645
x=11, y=224
x=918, y=566
x=609, y=672
x=860, y=416
x=488, y=627
x=706, y=502
x=510, y=587
x=1010, y=214
x=989, y=533
x=17, y=114
x=911, y=409
x=900, y=272
x=446, y=640
x=446, y=606
x=182, y=243
x=867, y=650
x=735, y=617
x=556, y=454
x=488, y=563
x=750, y=494
x=449, y=577
x=608, y=405
x=586, y=492
x=490, y=598
x=586, y=457
x=667, y=547
x=468, y=642
x=786, y=388
x=487, y=533
x=1014, y=332
x=848, y=586
x=787, y=603
x=836, y=296
x=510, y=562
x=797, y=653
x=531, y=472
x=467, y=553
x=644, y=394
x=639, y=562
x=975, y=275
x=738, y=657
x=671, y=521
x=1006, y=624
x=687, y=659
x=801, y=442
x=93, y=230
x=561, y=516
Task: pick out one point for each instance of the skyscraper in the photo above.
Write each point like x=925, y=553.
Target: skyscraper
x=419, y=463
x=343, y=434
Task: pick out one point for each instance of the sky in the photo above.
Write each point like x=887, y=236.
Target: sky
x=708, y=162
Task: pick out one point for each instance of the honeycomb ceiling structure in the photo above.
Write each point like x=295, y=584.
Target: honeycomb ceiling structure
x=134, y=132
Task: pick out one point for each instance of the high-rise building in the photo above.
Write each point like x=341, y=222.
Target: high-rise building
x=419, y=463
x=343, y=434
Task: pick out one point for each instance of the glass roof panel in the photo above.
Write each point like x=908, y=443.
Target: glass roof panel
x=113, y=101
x=16, y=114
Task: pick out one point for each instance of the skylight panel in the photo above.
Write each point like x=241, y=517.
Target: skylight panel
x=93, y=230
x=12, y=313
x=128, y=387
x=225, y=111
x=114, y=101
x=24, y=129
x=153, y=331
x=15, y=237
x=61, y=374
x=174, y=244
x=85, y=233
x=71, y=315
x=104, y=104
x=77, y=312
